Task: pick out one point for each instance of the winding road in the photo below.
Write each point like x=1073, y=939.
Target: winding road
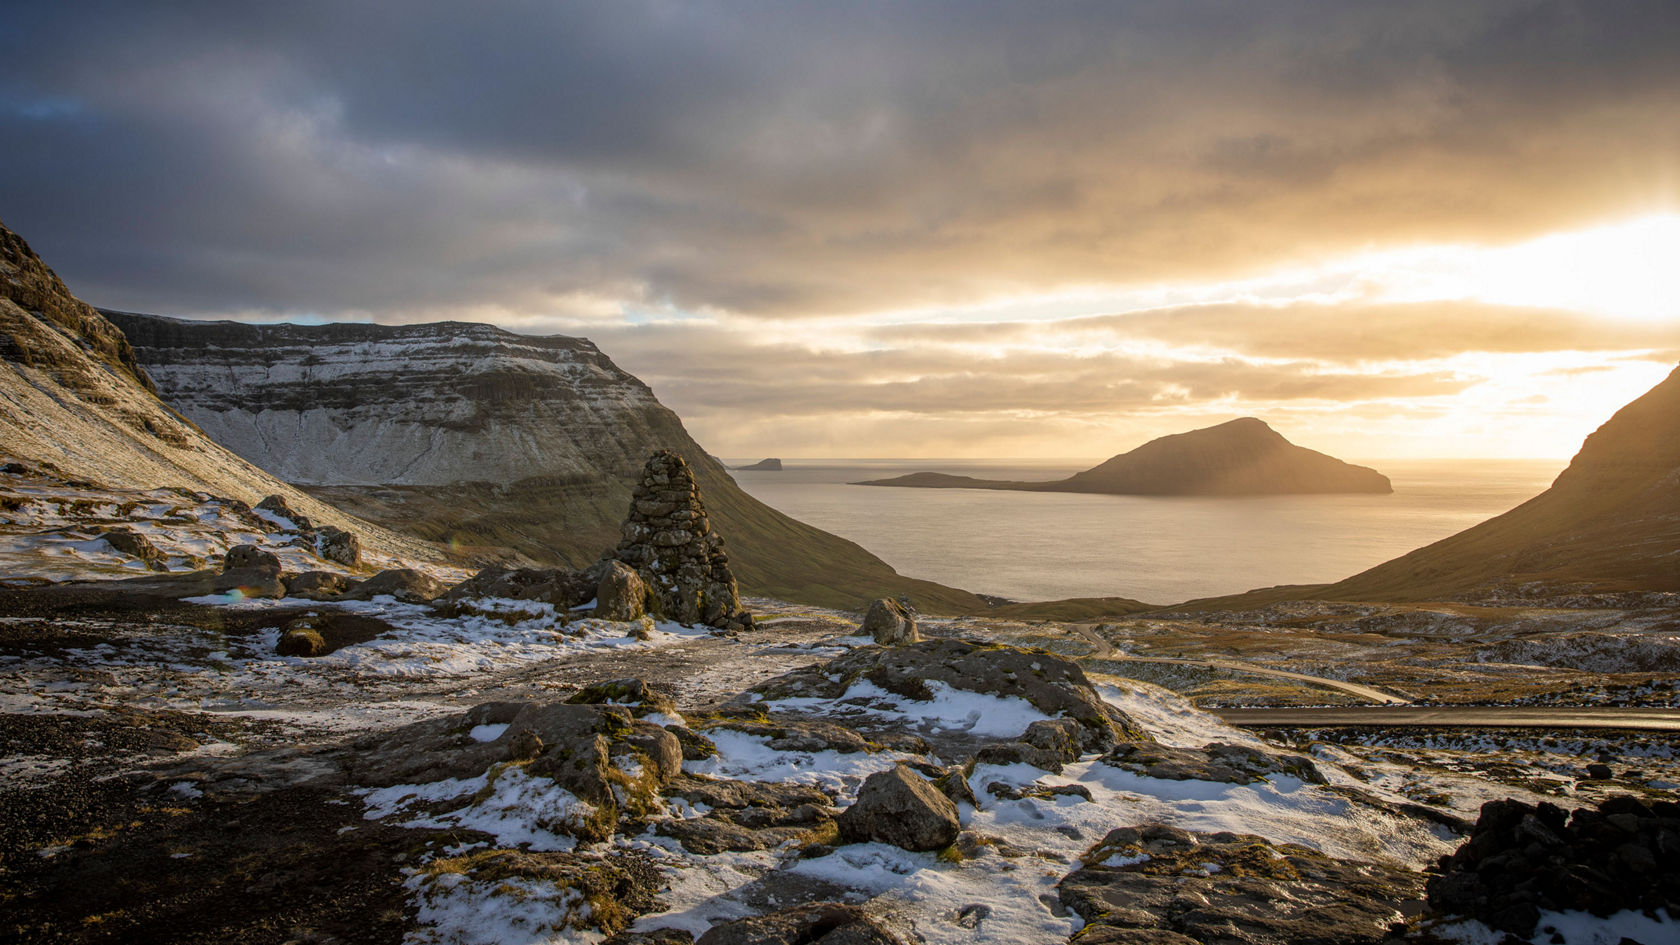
x=1459, y=716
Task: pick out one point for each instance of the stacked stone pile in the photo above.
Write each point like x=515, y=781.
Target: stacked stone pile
x=669, y=542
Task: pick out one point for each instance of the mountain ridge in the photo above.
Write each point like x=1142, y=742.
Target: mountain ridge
x=469, y=434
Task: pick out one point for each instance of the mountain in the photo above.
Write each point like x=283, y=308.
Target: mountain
x=1610, y=521
x=764, y=465
x=74, y=397
x=1242, y=457
x=483, y=438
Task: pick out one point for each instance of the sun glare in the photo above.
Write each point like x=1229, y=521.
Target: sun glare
x=1628, y=270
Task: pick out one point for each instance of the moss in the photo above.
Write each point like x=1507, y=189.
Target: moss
x=952, y=855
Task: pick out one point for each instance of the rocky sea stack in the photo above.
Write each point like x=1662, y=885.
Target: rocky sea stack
x=669, y=541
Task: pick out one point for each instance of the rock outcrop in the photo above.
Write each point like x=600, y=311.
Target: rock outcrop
x=899, y=806
x=1242, y=457
x=405, y=584
x=889, y=623
x=507, y=446
x=668, y=540
x=1159, y=885
x=1521, y=860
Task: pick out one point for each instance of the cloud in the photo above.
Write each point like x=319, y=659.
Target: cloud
x=786, y=159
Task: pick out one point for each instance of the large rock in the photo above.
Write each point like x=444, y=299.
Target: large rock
x=130, y=542
x=1521, y=860
x=250, y=557
x=336, y=544
x=889, y=623
x=620, y=595
x=250, y=582
x=668, y=540
x=301, y=641
x=899, y=806
x=1165, y=886
x=1055, y=686
x=405, y=584
x=821, y=923
x=565, y=588
x=317, y=585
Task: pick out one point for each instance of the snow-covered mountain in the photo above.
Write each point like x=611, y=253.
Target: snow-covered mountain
x=484, y=438
x=72, y=397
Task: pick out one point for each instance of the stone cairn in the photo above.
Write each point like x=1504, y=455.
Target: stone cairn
x=668, y=540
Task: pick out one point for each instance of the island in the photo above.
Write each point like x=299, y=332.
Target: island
x=1241, y=457
x=763, y=465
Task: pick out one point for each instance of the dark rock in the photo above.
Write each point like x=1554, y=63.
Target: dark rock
x=889, y=623
x=655, y=937
x=899, y=807
x=1009, y=753
x=250, y=558
x=1521, y=861
x=621, y=594
x=130, y=542
x=337, y=545
x=1597, y=772
x=565, y=588
x=822, y=923
x=405, y=584
x=316, y=585
x=301, y=641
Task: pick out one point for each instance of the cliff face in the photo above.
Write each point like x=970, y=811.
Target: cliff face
x=1611, y=521
x=483, y=438
x=73, y=396
x=1242, y=457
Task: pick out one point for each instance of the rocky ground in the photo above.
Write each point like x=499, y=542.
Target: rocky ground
x=488, y=765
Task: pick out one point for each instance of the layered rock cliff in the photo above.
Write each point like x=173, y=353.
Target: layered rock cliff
x=483, y=438
x=73, y=397
x=1242, y=457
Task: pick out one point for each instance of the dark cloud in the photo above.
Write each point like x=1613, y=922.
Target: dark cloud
x=409, y=159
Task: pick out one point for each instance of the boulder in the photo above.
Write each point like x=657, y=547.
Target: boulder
x=1225, y=763
x=634, y=694
x=890, y=623
x=276, y=505
x=621, y=594
x=565, y=588
x=250, y=557
x=316, y=585
x=667, y=539
x=405, y=584
x=130, y=542
x=337, y=545
x=899, y=806
x=301, y=641
x=821, y=923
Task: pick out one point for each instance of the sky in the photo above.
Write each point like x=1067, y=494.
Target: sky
x=930, y=229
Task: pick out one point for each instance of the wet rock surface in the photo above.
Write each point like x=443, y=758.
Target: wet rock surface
x=1159, y=884
x=668, y=540
x=1523, y=859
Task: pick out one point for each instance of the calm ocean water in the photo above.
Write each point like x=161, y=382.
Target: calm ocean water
x=1043, y=546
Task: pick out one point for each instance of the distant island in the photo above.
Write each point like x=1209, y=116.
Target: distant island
x=1242, y=457
x=763, y=465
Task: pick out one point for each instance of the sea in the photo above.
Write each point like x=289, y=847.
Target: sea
x=1160, y=550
